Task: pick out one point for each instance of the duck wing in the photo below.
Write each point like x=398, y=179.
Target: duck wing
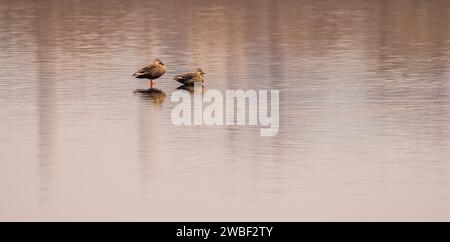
x=185, y=78
x=144, y=71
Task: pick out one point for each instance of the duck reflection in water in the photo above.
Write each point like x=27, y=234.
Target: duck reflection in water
x=156, y=95
x=192, y=88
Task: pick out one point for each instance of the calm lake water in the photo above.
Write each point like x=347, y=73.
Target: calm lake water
x=364, y=110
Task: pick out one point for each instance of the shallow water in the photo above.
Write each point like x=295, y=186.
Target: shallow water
x=364, y=110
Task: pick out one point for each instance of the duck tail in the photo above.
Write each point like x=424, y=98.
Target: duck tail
x=179, y=79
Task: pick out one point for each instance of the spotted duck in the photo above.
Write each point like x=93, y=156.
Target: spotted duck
x=151, y=71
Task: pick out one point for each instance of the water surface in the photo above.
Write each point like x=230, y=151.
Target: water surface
x=364, y=110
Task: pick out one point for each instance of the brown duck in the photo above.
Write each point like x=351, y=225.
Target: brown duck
x=151, y=71
x=191, y=78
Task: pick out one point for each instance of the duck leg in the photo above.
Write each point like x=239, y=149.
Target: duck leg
x=151, y=84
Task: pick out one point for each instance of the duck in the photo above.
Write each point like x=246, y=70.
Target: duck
x=151, y=71
x=191, y=77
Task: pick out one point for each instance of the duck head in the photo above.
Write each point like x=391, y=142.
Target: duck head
x=200, y=72
x=158, y=61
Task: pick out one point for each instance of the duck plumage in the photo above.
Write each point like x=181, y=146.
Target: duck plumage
x=152, y=71
x=191, y=77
